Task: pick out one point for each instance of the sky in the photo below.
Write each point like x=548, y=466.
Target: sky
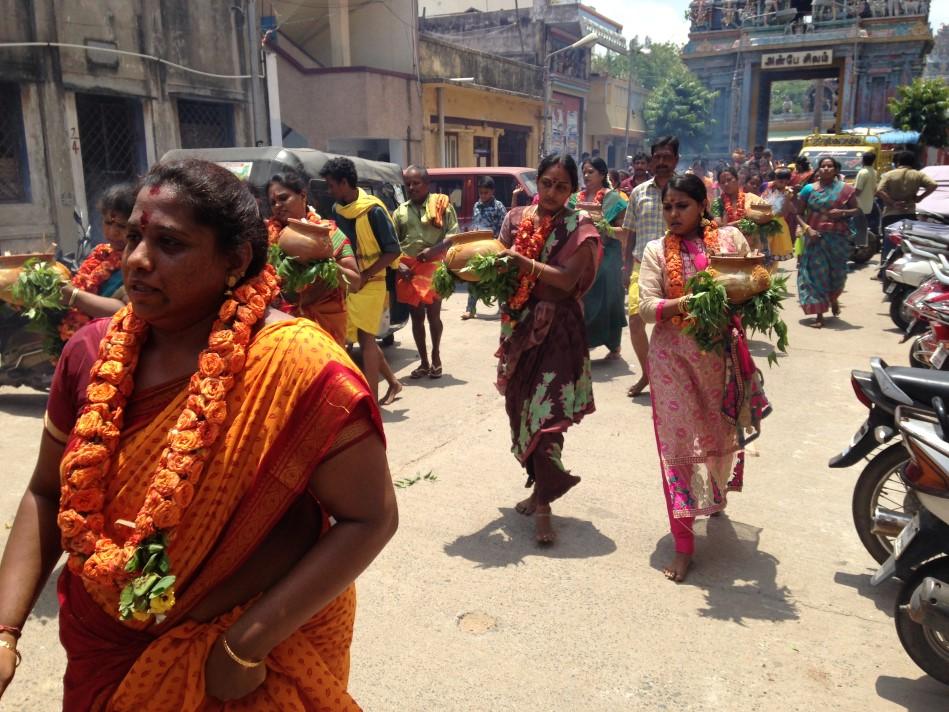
x=664, y=21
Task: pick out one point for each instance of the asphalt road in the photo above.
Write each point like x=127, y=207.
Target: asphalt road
x=463, y=612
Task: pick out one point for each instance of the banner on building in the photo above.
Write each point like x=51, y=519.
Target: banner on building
x=798, y=60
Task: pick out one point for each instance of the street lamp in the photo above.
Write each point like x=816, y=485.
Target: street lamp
x=629, y=91
x=582, y=42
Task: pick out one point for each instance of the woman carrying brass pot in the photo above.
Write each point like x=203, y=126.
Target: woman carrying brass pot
x=693, y=391
x=323, y=303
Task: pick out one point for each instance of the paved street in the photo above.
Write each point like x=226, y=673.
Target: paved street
x=463, y=612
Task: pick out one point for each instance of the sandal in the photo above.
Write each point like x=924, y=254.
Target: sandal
x=466, y=316
x=420, y=372
x=435, y=372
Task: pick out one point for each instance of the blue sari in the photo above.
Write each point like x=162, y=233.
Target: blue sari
x=822, y=273
x=604, y=309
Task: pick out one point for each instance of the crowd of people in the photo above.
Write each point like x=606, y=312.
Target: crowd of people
x=213, y=459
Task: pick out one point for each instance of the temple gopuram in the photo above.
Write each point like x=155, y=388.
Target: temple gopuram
x=857, y=52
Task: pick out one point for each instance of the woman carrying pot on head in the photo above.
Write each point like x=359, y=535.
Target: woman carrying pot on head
x=215, y=471
x=544, y=367
x=96, y=290
x=604, y=308
x=828, y=205
x=699, y=450
x=323, y=303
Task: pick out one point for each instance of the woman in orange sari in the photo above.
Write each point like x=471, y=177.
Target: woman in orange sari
x=319, y=302
x=197, y=447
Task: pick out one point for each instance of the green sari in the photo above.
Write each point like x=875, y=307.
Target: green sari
x=603, y=306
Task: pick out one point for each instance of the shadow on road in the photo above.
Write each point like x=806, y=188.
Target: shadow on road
x=509, y=540
x=739, y=579
x=883, y=596
x=920, y=695
x=605, y=371
x=29, y=404
x=831, y=323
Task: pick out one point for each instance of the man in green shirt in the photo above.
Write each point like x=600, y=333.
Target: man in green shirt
x=899, y=191
x=422, y=223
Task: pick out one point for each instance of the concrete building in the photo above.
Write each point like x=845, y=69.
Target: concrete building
x=107, y=87
x=530, y=33
x=937, y=63
x=478, y=109
x=740, y=48
x=606, y=118
x=347, y=77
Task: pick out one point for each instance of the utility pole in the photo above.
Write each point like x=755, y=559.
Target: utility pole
x=258, y=110
x=629, y=98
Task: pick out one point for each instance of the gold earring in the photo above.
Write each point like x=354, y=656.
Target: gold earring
x=231, y=283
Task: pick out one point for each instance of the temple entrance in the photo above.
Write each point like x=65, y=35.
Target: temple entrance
x=789, y=104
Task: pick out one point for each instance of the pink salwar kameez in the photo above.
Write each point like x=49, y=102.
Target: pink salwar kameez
x=699, y=451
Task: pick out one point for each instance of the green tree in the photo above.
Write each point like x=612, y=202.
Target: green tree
x=923, y=106
x=663, y=60
x=681, y=106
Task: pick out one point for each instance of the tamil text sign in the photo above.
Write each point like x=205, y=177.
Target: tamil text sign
x=798, y=60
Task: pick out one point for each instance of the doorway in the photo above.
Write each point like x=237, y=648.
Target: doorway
x=111, y=134
x=512, y=147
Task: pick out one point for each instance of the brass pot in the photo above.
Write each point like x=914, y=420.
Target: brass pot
x=743, y=276
x=593, y=209
x=466, y=245
x=307, y=241
x=11, y=265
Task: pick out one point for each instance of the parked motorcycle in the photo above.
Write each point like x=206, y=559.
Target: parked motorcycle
x=908, y=273
x=920, y=555
x=928, y=331
x=882, y=390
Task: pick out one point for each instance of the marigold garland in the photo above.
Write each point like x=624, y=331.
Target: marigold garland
x=529, y=240
x=139, y=563
x=673, y=257
x=274, y=227
x=91, y=275
x=598, y=198
x=734, y=209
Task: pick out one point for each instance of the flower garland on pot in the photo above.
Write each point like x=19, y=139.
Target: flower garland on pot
x=673, y=255
x=139, y=565
x=529, y=241
x=91, y=275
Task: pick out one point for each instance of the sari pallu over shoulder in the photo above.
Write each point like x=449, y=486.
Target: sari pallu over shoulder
x=298, y=401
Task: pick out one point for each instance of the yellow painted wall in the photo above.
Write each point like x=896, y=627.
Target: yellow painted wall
x=477, y=105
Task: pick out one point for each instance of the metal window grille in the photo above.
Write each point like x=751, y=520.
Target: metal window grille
x=14, y=181
x=113, y=145
x=205, y=124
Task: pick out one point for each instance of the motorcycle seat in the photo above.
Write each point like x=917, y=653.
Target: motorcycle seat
x=921, y=384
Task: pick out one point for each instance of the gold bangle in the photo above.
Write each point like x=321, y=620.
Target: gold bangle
x=72, y=297
x=10, y=646
x=237, y=658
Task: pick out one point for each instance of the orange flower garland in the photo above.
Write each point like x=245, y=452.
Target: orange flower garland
x=529, y=241
x=734, y=210
x=673, y=256
x=91, y=275
x=598, y=198
x=142, y=558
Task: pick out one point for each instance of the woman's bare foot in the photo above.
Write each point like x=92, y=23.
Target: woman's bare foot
x=543, y=530
x=526, y=506
x=818, y=322
x=835, y=307
x=638, y=387
x=615, y=355
x=392, y=394
x=677, y=570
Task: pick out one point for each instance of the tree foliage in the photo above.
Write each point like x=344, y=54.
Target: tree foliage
x=663, y=60
x=923, y=106
x=681, y=106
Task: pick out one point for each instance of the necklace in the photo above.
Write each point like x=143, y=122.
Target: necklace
x=91, y=275
x=734, y=207
x=673, y=256
x=140, y=565
x=598, y=198
x=529, y=240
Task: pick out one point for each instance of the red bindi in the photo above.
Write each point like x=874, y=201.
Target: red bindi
x=144, y=219
x=154, y=190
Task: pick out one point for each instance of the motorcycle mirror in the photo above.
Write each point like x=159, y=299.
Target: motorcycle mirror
x=941, y=414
